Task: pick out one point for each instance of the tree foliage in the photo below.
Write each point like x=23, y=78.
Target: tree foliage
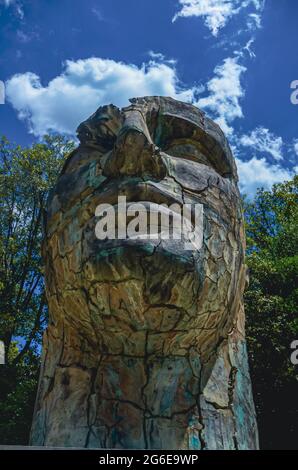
x=26, y=176
x=271, y=310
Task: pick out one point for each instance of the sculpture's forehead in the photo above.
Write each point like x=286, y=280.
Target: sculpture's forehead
x=171, y=123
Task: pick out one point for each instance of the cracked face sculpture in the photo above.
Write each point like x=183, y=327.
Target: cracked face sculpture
x=145, y=346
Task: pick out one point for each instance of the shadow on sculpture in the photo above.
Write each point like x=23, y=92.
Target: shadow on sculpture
x=145, y=346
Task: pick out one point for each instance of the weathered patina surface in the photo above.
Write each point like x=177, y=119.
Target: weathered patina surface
x=145, y=346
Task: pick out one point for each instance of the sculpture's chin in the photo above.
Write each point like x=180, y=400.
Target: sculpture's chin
x=159, y=289
x=117, y=260
x=157, y=286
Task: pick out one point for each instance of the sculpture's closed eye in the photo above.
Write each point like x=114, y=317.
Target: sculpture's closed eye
x=190, y=151
x=191, y=140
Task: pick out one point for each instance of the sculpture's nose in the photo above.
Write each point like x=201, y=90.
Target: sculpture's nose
x=134, y=153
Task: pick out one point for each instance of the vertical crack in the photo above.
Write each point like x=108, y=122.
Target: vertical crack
x=143, y=395
x=231, y=388
x=94, y=373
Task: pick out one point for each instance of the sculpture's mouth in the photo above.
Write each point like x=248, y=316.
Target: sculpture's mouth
x=148, y=211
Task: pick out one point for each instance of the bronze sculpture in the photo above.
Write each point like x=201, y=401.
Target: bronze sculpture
x=145, y=346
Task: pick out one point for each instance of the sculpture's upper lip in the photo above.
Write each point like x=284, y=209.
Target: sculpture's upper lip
x=137, y=191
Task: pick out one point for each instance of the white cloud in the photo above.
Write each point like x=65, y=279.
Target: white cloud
x=17, y=6
x=263, y=140
x=96, y=11
x=295, y=146
x=256, y=173
x=254, y=21
x=248, y=48
x=225, y=93
x=85, y=85
x=26, y=37
x=216, y=13
x=158, y=57
x=70, y=97
x=20, y=11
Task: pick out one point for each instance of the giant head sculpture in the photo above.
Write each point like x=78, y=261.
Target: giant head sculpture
x=145, y=346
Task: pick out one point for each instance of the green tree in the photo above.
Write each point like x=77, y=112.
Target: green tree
x=271, y=310
x=26, y=177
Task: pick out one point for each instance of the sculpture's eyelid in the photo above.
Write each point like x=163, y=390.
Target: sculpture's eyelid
x=193, y=150
x=189, y=151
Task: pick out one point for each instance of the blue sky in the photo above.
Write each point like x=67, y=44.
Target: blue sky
x=236, y=59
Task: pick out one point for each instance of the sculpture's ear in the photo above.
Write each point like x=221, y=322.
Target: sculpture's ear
x=101, y=128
